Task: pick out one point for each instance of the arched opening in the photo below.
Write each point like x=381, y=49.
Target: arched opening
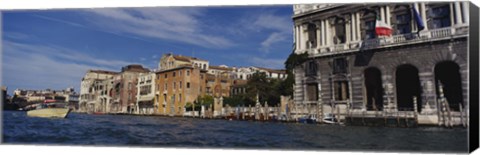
x=408, y=86
x=374, y=89
x=447, y=74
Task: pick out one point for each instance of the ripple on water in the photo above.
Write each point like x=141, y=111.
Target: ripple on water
x=82, y=129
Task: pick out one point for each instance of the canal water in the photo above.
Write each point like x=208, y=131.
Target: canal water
x=155, y=131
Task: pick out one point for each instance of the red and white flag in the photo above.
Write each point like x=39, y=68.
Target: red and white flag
x=382, y=28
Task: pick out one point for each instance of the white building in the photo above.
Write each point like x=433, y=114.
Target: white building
x=146, y=93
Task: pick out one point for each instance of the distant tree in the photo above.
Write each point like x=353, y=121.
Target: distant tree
x=237, y=100
x=205, y=100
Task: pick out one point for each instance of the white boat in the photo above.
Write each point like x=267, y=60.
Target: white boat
x=329, y=118
x=49, y=113
x=49, y=109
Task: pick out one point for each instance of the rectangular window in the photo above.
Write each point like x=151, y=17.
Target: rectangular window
x=166, y=75
x=341, y=90
x=180, y=97
x=188, y=72
x=440, y=17
x=180, y=84
x=188, y=84
x=340, y=65
x=312, y=92
x=174, y=73
x=174, y=85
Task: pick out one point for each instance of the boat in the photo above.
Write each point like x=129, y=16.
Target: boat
x=329, y=119
x=49, y=109
x=307, y=119
x=49, y=113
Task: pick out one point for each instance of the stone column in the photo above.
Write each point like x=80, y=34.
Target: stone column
x=389, y=92
x=328, y=32
x=319, y=33
x=348, y=24
x=466, y=13
x=359, y=36
x=297, y=35
x=458, y=14
x=452, y=17
x=301, y=38
x=387, y=13
x=428, y=94
x=354, y=27
x=382, y=13
x=423, y=13
x=324, y=33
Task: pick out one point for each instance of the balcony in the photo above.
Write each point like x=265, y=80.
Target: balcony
x=395, y=40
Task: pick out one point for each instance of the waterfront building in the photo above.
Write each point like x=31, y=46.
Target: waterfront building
x=238, y=87
x=169, y=61
x=218, y=85
x=245, y=73
x=175, y=87
x=272, y=73
x=125, y=89
x=382, y=60
x=89, y=88
x=104, y=95
x=23, y=97
x=146, y=93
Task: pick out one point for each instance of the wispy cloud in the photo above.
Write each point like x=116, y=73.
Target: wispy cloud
x=277, y=27
x=266, y=62
x=174, y=24
x=42, y=66
x=273, y=38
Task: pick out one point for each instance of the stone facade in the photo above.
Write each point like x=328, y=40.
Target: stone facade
x=348, y=75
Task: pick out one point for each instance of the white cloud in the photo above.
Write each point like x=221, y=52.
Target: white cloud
x=272, y=39
x=278, y=27
x=176, y=24
x=40, y=66
x=273, y=22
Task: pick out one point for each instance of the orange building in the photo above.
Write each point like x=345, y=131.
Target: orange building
x=177, y=86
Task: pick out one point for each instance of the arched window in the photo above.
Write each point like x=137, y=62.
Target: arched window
x=439, y=16
x=403, y=18
x=339, y=37
x=369, y=24
x=312, y=36
x=311, y=68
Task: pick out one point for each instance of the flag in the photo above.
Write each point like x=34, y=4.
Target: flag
x=418, y=19
x=382, y=28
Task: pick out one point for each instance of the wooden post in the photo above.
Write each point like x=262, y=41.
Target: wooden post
x=461, y=114
x=415, y=107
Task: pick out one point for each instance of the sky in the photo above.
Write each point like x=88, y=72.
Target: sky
x=54, y=48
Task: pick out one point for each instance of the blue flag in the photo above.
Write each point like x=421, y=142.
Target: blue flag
x=418, y=19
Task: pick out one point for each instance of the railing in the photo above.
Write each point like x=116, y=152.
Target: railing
x=426, y=35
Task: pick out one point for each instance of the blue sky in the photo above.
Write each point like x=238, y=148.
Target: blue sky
x=54, y=48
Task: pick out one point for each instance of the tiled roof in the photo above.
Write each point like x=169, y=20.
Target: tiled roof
x=102, y=71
